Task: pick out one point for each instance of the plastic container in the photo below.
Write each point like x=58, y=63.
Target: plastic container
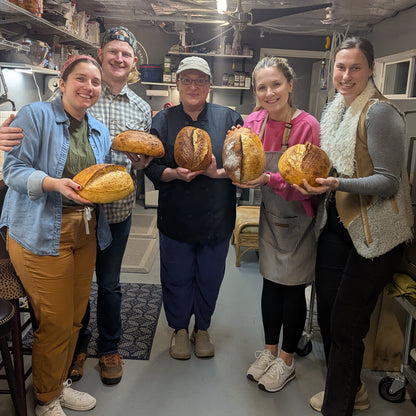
x=151, y=73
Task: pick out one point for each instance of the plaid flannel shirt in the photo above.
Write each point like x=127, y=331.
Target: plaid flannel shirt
x=124, y=111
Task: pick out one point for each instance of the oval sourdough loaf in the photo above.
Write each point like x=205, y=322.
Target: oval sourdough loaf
x=243, y=155
x=140, y=142
x=104, y=183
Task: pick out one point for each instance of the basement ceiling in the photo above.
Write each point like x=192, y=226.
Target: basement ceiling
x=357, y=16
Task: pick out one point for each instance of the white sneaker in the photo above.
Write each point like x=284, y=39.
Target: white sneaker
x=258, y=368
x=277, y=375
x=53, y=408
x=76, y=400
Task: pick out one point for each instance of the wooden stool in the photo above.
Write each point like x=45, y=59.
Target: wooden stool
x=11, y=290
x=246, y=230
x=7, y=313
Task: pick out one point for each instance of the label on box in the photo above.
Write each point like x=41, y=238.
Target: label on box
x=167, y=78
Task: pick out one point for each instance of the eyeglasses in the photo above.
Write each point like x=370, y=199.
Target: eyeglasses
x=199, y=82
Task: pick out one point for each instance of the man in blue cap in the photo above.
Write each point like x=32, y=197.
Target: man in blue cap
x=119, y=108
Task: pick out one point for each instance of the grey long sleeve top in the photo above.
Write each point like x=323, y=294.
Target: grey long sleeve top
x=386, y=144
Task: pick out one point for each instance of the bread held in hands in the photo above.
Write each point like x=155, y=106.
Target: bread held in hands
x=140, y=142
x=304, y=161
x=193, y=148
x=243, y=155
x=104, y=183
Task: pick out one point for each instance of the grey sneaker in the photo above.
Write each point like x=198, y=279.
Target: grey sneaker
x=277, y=375
x=258, y=368
x=76, y=400
x=204, y=348
x=179, y=345
x=53, y=408
x=361, y=400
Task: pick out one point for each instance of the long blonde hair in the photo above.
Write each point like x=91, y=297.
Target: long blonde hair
x=274, y=62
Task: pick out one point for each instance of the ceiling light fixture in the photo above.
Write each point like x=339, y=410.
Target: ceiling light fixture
x=222, y=6
x=331, y=18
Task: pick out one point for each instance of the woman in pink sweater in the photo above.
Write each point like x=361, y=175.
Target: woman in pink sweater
x=287, y=246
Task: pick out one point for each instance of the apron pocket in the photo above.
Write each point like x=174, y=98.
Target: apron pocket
x=283, y=233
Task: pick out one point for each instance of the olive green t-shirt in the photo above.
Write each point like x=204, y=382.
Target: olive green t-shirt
x=80, y=154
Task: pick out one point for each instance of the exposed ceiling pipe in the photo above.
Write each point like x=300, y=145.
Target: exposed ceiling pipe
x=147, y=18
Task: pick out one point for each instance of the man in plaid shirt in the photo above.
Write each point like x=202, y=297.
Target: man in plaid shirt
x=119, y=108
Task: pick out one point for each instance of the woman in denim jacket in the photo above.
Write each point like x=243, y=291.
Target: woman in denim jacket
x=52, y=230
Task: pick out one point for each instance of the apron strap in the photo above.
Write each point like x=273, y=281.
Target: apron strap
x=288, y=127
x=263, y=126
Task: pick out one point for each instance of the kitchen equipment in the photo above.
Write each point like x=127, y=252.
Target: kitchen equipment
x=3, y=97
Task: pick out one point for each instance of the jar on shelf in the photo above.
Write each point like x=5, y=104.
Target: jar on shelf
x=225, y=79
x=247, y=80
x=236, y=79
x=167, y=64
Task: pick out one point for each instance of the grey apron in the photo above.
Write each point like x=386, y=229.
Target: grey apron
x=287, y=246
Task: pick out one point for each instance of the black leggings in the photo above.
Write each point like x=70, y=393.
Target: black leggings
x=285, y=306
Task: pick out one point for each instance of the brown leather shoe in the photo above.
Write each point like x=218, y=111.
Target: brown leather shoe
x=111, y=367
x=76, y=371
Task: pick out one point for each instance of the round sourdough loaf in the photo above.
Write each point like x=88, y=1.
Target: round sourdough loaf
x=140, y=142
x=243, y=155
x=304, y=161
x=193, y=149
x=104, y=183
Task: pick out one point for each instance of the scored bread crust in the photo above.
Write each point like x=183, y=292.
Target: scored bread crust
x=140, y=142
x=304, y=161
x=103, y=183
x=193, y=149
x=243, y=155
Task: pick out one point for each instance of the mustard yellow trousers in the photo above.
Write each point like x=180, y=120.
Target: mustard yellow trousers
x=58, y=288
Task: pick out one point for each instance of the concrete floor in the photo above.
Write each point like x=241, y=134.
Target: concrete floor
x=162, y=386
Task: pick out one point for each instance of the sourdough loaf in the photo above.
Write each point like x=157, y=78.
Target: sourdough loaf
x=104, y=183
x=140, y=142
x=243, y=155
x=304, y=161
x=193, y=149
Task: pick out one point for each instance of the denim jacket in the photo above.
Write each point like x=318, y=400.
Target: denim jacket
x=32, y=215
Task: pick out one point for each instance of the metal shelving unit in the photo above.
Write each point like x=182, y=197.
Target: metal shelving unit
x=42, y=29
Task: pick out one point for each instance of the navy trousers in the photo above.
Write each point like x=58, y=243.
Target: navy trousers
x=191, y=277
x=107, y=270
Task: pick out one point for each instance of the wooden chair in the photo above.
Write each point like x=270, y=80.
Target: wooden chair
x=246, y=230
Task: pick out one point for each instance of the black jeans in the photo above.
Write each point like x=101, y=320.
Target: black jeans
x=347, y=289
